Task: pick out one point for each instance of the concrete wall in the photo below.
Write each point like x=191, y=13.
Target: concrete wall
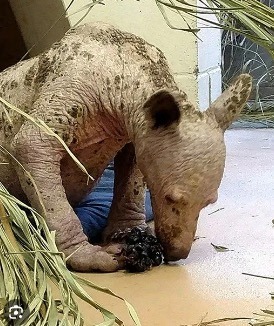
x=35, y=19
x=143, y=18
x=209, y=62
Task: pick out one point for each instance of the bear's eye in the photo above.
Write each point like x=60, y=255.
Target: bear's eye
x=169, y=199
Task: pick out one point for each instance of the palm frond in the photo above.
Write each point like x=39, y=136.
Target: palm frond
x=250, y=18
x=29, y=260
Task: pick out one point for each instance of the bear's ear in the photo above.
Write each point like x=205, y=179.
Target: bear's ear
x=162, y=109
x=228, y=105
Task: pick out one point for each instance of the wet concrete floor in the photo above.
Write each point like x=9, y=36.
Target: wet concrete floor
x=208, y=283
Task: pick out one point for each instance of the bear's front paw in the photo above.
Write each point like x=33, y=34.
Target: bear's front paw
x=88, y=258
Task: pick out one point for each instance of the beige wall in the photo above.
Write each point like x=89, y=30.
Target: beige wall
x=144, y=19
x=35, y=18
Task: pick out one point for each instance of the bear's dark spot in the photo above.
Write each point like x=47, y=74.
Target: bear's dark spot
x=234, y=99
x=136, y=192
x=75, y=47
x=30, y=76
x=64, y=48
x=65, y=137
x=28, y=181
x=56, y=45
x=87, y=55
x=73, y=111
x=13, y=84
x=117, y=79
x=43, y=71
x=232, y=108
x=70, y=57
x=5, y=86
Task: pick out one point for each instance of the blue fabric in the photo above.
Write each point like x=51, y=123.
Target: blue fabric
x=94, y=208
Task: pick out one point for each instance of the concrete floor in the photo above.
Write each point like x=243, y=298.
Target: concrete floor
x=210, y=283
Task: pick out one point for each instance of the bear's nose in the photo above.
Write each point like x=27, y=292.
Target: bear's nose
x=176, y=254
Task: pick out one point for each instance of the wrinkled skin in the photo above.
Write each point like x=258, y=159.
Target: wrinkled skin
x=110, y=94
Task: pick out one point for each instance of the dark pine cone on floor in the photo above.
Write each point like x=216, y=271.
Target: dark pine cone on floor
x=142, y=250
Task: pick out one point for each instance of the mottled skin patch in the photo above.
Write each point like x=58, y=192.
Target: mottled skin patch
x=13, y=84
x=29, y=77
x=43, y=71
x=109, y=94
x=75, y=48
x=86, y=54
x=156, y=68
